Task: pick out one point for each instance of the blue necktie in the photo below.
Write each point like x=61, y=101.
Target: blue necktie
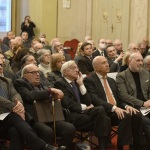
x=76, y=91
x=3, y=93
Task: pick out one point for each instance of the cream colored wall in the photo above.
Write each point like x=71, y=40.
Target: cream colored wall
x=74, y=22
x=139, y=20
x=77, y=21
x=44, y=15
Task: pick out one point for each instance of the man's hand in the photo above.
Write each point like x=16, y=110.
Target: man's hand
x=19, y=109
x=58, y=94
x=79, y=81
x=89, y=107
x=147, y=103
x=131, y=110
x=120, y=112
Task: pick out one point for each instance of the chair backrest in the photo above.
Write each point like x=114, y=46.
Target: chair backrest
x=71, y=47
x=46, y=112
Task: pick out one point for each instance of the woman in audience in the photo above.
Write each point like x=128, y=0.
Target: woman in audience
x=78, y=52
x=125, y=61
x=28, y=26
x=16, y=65
x=44, y=59
x=57, y=60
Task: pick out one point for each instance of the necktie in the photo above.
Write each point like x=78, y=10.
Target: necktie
x=108, y=93
x=102, y=53
x=3, y=93
x=75, y=89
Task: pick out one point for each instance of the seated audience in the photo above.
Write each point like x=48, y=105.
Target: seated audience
x=133, y=85
x=3, y=47
x=44, y=58
x=133, y=47
x=13, y=125
x=114, y=60
x=16, y=62
x=103, y=92
x=58, y=48
x=31, y=88
x=85, y=60
x=125, y=61
x=9, y=54
x=83, y=114
x=78, y=52
x=6, y=40
x=19, y=40
x=57, y=60
x=101, y=49
x=118, y=46
x=147, y=63
x=25, y=41
x=26, y=60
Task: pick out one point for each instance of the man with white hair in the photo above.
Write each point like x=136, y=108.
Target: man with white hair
x=134, y=87
x=83, y=114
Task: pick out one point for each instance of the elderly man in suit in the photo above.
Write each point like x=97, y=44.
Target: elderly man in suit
x=14, y=125
x=82, y=112
x=31, y=88
x=134, y=87
x=103, y=91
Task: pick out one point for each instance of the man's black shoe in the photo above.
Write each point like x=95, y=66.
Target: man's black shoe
x=50, y=147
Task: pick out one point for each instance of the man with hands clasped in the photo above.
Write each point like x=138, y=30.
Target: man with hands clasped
x=134, y=87
x=103, y=92
x=83, y=114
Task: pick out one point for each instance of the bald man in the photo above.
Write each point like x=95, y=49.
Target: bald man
x=103, y=90
x=134, y=87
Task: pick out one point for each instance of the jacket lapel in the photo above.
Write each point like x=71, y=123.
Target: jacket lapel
x=69, y=88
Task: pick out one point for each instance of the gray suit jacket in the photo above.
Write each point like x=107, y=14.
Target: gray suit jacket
x=127, y=87
x=7, y=105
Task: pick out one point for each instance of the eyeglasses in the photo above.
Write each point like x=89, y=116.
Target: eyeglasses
x=34, y=72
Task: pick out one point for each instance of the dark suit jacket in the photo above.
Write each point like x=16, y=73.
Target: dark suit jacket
x=114, y=67
x=29, y=95
x=8, y=104
x=69, y=100
x=97, y=53
x=85, y=65
x=97, y=93
x=127, y=87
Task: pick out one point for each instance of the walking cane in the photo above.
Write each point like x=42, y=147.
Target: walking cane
x=54, y=121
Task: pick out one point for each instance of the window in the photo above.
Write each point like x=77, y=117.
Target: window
x=5, y=15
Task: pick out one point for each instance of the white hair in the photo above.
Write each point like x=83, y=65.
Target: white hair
x=67, y=65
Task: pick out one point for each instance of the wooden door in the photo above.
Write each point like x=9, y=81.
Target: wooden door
x=111, y=20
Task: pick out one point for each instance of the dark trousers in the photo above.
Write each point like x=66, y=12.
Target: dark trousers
x=64, y=131
x=21, y=132
x=94, y=119
x=146, y=126
x=130, y=127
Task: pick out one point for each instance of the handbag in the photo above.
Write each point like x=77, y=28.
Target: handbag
x=44, y=111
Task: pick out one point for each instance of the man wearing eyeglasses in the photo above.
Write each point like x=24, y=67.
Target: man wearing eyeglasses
x=31, y=88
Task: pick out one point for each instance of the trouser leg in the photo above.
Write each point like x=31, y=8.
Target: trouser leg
x=32, y=140
x=66, y=131
x=43, y=131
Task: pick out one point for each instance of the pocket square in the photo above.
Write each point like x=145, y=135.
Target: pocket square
x=147, y=80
